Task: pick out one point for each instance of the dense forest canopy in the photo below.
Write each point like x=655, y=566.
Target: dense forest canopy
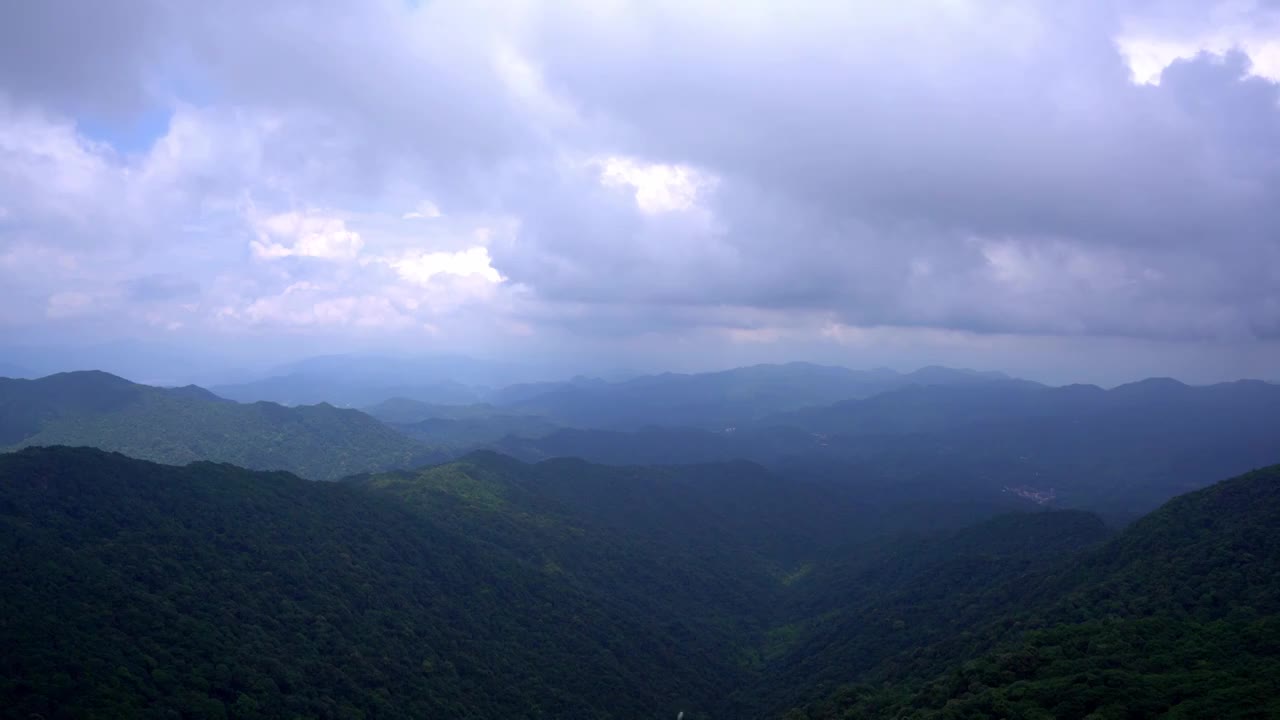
x=489, y=587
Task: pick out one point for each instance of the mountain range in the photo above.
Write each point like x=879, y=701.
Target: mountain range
x=708, y=399
x=907, y=553
x=716, y=400
x=971, y=437
x=1121, y=450
x=356, y=381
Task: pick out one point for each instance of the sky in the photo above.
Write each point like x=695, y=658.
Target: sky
x=1083, y=191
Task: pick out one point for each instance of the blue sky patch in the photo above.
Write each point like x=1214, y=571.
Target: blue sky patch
x=132, y=133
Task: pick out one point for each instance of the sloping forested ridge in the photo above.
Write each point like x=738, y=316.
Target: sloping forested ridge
x=140, y=590
x=182, y=425
x=490, y=588
x=1179, y=616
x=871, y=613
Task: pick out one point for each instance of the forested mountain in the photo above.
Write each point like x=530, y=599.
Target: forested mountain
x=863, y=611
x=464, y=434
x=649, y=445
x=715, y=507
x=405, y=411
x=1178, y=616
x=141, y=590
x=482, y=588
x=181, y=425
x=492, y=588
x=458, y=427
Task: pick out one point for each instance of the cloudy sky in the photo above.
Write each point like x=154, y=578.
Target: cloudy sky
x=1082, y=190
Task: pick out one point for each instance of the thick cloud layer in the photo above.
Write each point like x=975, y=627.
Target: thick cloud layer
x=968, y=181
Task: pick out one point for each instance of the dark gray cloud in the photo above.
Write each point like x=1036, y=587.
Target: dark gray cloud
x=94, y=57
x=1023, y=187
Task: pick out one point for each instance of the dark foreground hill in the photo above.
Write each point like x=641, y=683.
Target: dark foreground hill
x=182, y=425
x=1179, y=617
x=140, y=590
x=489, y=588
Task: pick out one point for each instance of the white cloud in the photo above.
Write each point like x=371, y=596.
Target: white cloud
x=50, y=173
x=1152, y=40
x=420, y=268
x=304, y=305
x=311, y=234
x=658, y=187
x=1148, y=57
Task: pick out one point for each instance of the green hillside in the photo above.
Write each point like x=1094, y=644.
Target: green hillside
x=183, y=425
x=492, y=588
x=467, y=433
x=736, y=520
x=1179, y=616
x=141, y=590
x=858, y=615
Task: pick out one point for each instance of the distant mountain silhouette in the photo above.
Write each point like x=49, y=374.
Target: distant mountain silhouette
x=1120, y=451
x=364, y=380
x=718, y=399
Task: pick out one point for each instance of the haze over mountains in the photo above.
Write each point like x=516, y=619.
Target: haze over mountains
x=13, y=371
x=355, y=380
x=568, y=359
x=781, y=540
x=949, y=435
